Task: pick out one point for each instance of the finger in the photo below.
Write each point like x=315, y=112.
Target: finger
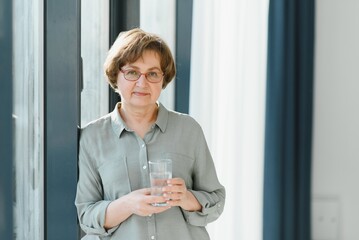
x=173, y=203
x=148, y=210
x=155, y=199
x=174, y=196
x=175, y=181
x=175, y=188
x=145, y=191
x=159, y=209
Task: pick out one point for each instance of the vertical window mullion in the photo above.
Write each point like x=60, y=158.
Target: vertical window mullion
x=183, y=54
x=124, y=15
x=62, y=76
x=6, y=139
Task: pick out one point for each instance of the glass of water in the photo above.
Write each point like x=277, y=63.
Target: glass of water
x=160, y=172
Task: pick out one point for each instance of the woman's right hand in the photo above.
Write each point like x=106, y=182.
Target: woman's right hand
x=138, y=202
x=141, y=202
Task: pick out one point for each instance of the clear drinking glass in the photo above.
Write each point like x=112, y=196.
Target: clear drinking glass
x=160, y=172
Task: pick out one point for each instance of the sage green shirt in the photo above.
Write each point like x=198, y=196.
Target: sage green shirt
x=113, y=161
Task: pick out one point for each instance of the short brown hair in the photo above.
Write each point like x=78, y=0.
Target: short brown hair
x=129, y=46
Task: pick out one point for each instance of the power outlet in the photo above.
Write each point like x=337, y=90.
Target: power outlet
x=325, y=218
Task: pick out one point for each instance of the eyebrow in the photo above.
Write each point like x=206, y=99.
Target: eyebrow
x=137, y=68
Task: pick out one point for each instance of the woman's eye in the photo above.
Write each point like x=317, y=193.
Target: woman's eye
x=132, y=72
x=153, y=74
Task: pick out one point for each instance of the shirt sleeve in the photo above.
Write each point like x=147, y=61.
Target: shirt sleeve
x=206, y=187
x=91, y=208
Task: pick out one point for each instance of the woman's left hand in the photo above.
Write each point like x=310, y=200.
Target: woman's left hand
x=177, y=194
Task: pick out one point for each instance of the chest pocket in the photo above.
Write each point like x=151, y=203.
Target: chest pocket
x=115, y=179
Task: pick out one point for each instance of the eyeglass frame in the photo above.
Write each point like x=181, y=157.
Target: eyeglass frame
x=145, y=74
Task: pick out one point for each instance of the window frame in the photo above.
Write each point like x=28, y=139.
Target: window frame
x=124, y=15
x=6, y=125
x=62, y=81
x=183, y=54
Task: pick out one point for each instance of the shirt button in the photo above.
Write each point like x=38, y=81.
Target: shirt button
x=152, y=237
x=143, y=145
x=144, y=167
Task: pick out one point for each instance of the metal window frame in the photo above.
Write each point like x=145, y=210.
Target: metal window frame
x=124, y=15
x=62, y=76
x=6, y=125
x=183, y=54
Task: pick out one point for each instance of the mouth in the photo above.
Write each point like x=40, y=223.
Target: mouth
x=140, y=94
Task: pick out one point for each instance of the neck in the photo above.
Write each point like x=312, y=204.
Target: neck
x=136, y=117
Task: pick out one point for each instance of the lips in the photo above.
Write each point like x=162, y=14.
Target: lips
x=140, y=94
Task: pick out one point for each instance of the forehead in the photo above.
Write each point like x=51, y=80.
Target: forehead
x=149, y=58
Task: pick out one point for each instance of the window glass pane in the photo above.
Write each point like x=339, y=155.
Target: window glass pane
x=94, y=47
x=28, y=119
x=159, y=17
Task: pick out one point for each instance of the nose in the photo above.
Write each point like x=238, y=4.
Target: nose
x=142, y=80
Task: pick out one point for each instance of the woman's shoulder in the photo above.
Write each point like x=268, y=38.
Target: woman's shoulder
x=183, y=119
x=97, y=125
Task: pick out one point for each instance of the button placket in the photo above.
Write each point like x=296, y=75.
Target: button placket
x=151, y=224
x=142, y=155
x=151, y=220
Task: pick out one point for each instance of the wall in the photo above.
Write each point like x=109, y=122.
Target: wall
x=335, y=188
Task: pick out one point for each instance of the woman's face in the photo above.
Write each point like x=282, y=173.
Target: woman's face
x=140, y=93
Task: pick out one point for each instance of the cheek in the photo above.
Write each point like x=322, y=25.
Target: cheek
x=157, y=91
x=122, y=84
x=122, y=88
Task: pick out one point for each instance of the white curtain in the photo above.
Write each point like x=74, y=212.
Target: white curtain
x=227, y=97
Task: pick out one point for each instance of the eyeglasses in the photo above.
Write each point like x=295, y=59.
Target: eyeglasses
x=133, y=75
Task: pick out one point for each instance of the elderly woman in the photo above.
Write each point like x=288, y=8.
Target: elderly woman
x=113, y=198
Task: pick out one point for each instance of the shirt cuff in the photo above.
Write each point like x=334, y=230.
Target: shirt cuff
x=99, y=229
x=209, y=211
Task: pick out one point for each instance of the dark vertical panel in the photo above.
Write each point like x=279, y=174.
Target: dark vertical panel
x=288, y=130
x=6, y=139
x=183, y=54
x=62, y=75
x=124, y=15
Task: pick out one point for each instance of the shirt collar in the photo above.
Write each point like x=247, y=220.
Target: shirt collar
x=118, y=124
x=162, y=117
